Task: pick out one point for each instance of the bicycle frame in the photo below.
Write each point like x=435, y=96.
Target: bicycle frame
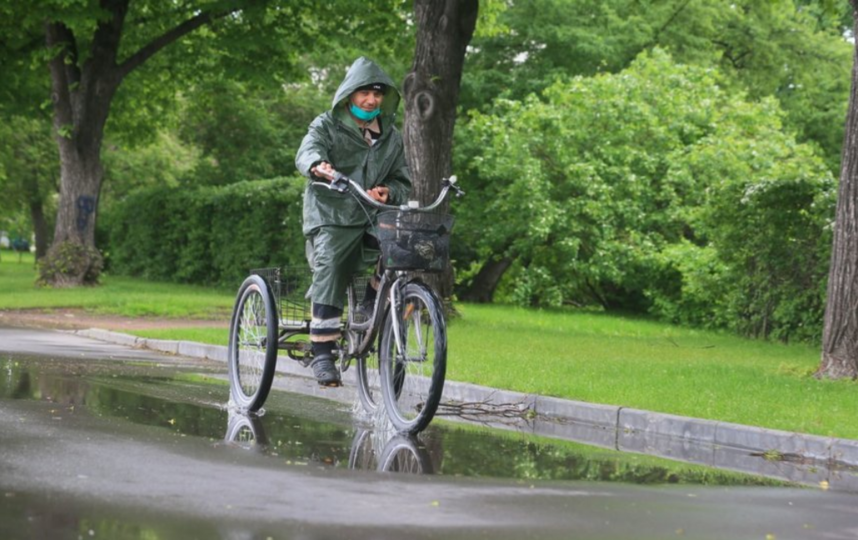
x=391, y=281
x=362, y=335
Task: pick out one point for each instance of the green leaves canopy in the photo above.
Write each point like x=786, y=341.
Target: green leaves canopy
x=792, y=50
x=592, y=188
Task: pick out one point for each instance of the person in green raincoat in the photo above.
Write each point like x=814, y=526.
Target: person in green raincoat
x=356, y=137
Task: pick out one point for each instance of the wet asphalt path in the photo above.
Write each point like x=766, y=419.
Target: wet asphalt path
x=69, y=472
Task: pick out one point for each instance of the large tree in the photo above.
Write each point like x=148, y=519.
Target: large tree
x=840, y=332
x=431, y=92
x=97, y=47
x=91, y=55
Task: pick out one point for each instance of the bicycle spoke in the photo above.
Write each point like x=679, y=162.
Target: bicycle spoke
x=252, y=340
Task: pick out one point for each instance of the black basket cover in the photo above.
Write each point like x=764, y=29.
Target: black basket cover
x=415, y=241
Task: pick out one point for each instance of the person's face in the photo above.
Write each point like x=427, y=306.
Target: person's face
x=368, y=100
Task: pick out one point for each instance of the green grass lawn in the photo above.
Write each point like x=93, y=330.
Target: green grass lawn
x=116, y=296
x=649, y=365
x=573, y=354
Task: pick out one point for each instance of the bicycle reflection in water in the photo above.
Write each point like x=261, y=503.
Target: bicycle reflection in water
x=378, y=447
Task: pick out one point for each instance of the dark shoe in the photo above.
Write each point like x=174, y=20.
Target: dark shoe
x=325, y=370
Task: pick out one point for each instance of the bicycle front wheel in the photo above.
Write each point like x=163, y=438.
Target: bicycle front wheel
x=413, y=370
x=369, y=388
x=252, y=353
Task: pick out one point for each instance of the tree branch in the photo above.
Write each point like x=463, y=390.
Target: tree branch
x=35, y=42
x=58, y=36
x=148, y=50
x=670, y=20
x=653, y=41
x=487, y=411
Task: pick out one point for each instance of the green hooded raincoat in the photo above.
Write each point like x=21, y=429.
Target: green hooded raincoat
x=335, y=223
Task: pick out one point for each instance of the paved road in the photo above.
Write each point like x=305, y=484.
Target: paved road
x=74, y=474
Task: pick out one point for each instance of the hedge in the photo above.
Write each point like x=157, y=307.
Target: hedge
x=209, y=235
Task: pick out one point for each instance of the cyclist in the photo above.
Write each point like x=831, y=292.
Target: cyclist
x=356, y=137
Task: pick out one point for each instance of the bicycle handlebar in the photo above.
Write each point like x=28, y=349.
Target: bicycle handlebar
x=342, y=184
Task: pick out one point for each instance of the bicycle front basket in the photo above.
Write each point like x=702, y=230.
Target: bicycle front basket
x=415, y=241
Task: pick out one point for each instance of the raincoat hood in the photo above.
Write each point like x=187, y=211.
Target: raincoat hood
x=334, y=137
x=361, y=73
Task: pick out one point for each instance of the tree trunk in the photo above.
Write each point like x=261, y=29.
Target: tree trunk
x=482, y=289
x=431, y=93
x=35, y=200
x=40, y=227
x=81, y=174
x=840, y=331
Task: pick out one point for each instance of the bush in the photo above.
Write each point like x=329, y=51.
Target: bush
x=762, y=230
x=209, y=235
x=70, y=264
x=652, y=190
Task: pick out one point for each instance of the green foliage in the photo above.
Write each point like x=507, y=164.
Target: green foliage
x=29, y=167
x=245, y=133
x=764, y=224
x=207, y=235
x=642, y=189
x=165, y=161
x=790, y=49
x=70, y=264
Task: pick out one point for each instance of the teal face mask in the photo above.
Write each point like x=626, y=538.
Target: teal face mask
x=362, y=114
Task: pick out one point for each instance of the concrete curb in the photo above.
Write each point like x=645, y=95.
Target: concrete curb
x=794, y=457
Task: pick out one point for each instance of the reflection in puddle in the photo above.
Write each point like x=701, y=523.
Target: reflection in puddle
x=301, y=430
x=372, y=449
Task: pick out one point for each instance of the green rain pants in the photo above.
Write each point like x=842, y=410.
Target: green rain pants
x=335, y=255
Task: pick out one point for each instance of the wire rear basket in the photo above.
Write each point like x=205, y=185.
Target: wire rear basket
x=415, y=241
x=289, y=286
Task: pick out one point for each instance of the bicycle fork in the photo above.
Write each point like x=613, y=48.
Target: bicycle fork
x=397, y=293
x=404, y=313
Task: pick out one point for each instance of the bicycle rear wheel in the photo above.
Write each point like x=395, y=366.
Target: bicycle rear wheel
x=252, y=353
x=412, y=379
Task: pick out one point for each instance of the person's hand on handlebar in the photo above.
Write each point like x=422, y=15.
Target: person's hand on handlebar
x=380, y=193
x=323, y=170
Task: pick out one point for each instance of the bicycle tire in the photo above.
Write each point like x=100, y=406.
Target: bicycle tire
x=252, y=352
x=413, y=380
x=369, y=380
x=405, y=454
x=362, y=454
x=246, y=431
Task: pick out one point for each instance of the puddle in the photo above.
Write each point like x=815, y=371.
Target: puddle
x=302, y=430
x=97, y=448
